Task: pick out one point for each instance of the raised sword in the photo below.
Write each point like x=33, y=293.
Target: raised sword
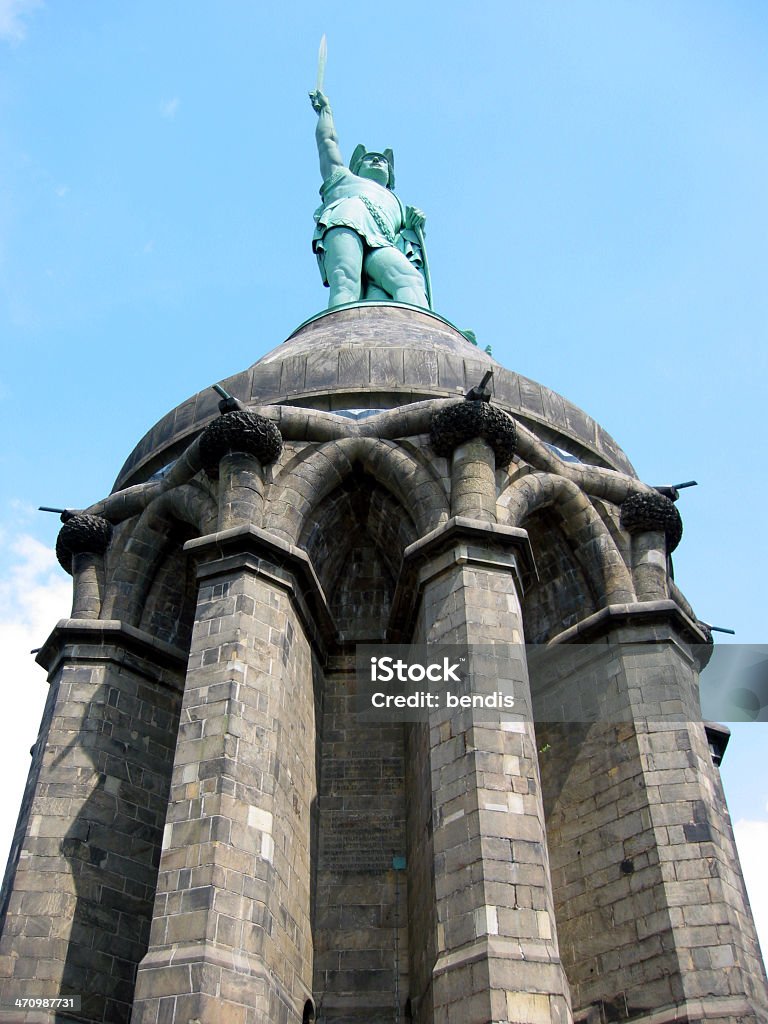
x=322, y=57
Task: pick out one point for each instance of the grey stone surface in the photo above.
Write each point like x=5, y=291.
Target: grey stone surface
x=77, y=900
x=206, y=806
x=378, y=356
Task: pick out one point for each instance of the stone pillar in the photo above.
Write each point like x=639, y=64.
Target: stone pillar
x=479, y=439
x=231, y=936
x=233, y=450
x=495, y=944
x=80, y=548
x=652, y=915
x=656, y=529
x=241, y=490
x=78, y=891
x=473, y=481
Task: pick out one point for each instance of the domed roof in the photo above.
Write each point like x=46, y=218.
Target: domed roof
x=376, y=355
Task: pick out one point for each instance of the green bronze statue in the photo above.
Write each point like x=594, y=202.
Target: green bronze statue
x=368, y=245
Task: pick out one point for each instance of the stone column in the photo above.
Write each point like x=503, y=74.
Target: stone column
x=478, y=439
x=473, y=481
x=80, y=548
x=656, y=528
x=234, y=449
x=495, y=946
x=78, y=891
x=231, y=936
x=653, y=919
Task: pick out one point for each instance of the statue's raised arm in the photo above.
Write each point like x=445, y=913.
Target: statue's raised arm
x=368, y=244
x=325, y=133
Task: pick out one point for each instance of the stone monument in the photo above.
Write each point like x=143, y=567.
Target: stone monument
x=212, y=833
x=368, y=245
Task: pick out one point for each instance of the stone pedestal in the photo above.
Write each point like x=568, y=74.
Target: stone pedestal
x=310, y=863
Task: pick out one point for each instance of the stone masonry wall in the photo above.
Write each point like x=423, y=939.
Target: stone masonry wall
x=78, y=917
x=497, y=952
x=281, y=877
x=361, y=903
x=231, y=937
x=650, y=910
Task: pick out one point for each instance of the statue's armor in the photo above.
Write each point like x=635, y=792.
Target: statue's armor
x=371, y=210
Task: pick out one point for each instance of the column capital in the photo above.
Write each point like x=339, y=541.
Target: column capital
x=239, y=431
x=115, y=641
x=248, y=548
x=82, y=533
x=659, y=620
x=460, y=541
x=643, y=512
x=463, y=421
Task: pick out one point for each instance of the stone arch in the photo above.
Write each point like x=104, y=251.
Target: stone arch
x=356, y=537
x=588, y=537
x=168, y=612
x=307, y=478
x=159, y=532
x=561, y=594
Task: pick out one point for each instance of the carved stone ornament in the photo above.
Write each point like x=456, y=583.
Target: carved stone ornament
x=240, y=431
x=641, y=512
x=79, y=534
x=466, y=420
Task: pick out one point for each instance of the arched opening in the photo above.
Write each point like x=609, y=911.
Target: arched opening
x=561, y=594
x=168, y=613
x=355, y=538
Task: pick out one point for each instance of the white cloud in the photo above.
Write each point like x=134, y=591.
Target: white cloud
x=168, y=108
x=752, y=842
x=34, y=595
x=13, y=14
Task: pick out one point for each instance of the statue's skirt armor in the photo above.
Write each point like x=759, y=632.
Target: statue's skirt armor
x=365, y=207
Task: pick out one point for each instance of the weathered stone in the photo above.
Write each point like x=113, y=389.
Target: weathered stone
x=82, y=534
x=476, y=870
x=239, y=431
x=467, y=420
x=641, y=512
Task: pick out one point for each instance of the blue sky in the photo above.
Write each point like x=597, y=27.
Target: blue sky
x=594, y=177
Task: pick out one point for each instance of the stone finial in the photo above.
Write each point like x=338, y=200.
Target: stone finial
x=239, y=431
x=642, y=512
x=80, y=534
x=466, y=420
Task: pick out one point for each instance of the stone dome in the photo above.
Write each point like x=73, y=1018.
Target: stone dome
x=376, y=356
